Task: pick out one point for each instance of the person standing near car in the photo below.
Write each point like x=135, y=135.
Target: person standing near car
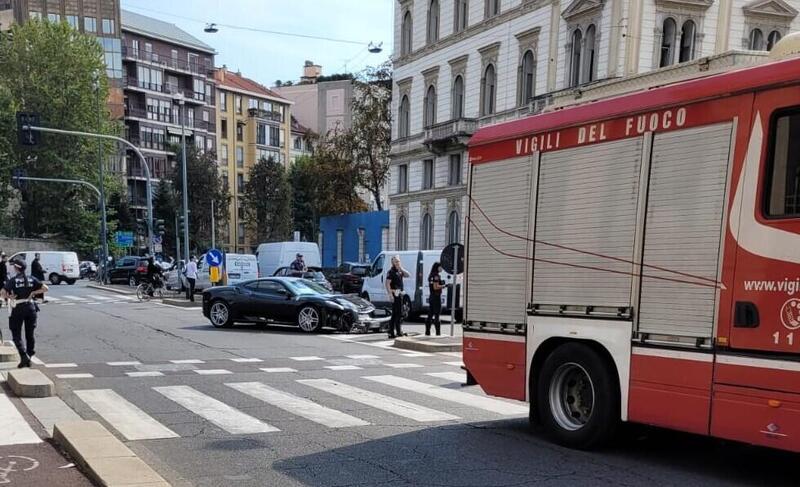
x=298, y=266
x=191, y=277
x=21, y=289
x=434, y=300
x=394, y=289
x=37, y=271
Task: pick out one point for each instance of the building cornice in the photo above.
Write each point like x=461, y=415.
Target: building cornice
x=428, y=195
x=168, y=40
x=771, y=9
x=696, y=5
x=581, y=8
x=253, y=94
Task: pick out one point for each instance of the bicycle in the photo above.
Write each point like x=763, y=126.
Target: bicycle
x=145, y=291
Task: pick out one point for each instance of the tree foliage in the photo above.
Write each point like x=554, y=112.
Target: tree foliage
x=267, y=202
x=166, y=206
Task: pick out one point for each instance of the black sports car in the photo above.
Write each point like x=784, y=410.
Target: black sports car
x=290, y=300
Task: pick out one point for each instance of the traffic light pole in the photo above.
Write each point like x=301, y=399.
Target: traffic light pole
x=185, y=184
x=149, y=218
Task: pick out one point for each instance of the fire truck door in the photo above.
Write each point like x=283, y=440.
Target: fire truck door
x=766, y=287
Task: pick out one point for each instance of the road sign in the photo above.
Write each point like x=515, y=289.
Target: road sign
x=214, y=258
x=124, y=239
x=157, y=240
x=450, y=254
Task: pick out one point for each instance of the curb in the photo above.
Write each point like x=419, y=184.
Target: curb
x=423, y=345
x=8, y=354
x=110, y=289
x=105, y=459
x=30, y=383
x=182, y=303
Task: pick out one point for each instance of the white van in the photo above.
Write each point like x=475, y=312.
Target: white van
x=57, y=266
x=240, y=267
x=418, y=263
x=272, y=256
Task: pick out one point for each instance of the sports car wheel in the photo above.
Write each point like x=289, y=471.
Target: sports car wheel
x=309, y=319
x=220, y=315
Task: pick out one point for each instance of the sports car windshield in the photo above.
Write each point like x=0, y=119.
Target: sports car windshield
x=304, y=286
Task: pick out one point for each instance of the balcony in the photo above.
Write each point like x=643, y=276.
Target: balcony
x=438, y=138
x=167, y=61
x=152, y=143
x=188, y=94
x=265, y=115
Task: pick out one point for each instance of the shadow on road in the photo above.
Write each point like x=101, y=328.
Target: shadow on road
x=253, y=328
x=503, y=453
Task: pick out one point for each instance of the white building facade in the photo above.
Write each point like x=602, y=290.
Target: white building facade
x=463, y=64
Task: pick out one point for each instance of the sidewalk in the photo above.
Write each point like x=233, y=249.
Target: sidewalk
x=114, y=288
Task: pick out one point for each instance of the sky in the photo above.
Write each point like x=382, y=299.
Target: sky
x=268, y=57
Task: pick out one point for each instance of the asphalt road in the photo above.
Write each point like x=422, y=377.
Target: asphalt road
x=272, y=406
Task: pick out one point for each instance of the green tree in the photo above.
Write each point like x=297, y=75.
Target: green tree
x=304, y=180
x=337, y=175
x=204, y=186
x=267, y=202
x=50, y=69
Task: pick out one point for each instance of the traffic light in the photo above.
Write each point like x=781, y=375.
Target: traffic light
x=160, y=229
x=141, y=226
x=26, y=136
x=181, y=224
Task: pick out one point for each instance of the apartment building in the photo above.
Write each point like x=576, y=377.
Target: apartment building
x=462, y=64
x=302, y=141
x=254, y=123
x=168, y=83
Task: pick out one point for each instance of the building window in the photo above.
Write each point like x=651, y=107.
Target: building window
x=406, y=32
x=429, y=113
x=488, y=88
x=433, y=22
x=89, y=24
x=238, y=102
x=240, y=183
x=108, y=26
x=783, y=181
x=339, y=247
x=223, y=153
x=491, y=8
x=54, y=18
x=239, y=132
x=239, y=157
x=575, y=58
x=252, y=103
x=588, y=56
x=454, y=173
x=34, y=15
x=688, y=31
x=401, y=237
x=527, y=78
x=223, y=101
x=426, y=233
x=669, y=33
x=773, y=39
x=453, y=228
x=297, y=143
x=458, y=97
x=362, y=245
x=460, y=9
x=240, y=233
x=756, y=40
x=404, y=126
x=223, y=128
x=402, y=178
x=72, y=20
x=427, y=174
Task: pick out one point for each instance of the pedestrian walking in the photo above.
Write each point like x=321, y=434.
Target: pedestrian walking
x=191, y=277
x=37, y=270
x=3, y=273
x=20, y=290
x=435, y=286
x=394, y=288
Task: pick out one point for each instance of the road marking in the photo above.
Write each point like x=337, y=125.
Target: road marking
x=14, y=427
x=386, y=344
x=74, y=376
x=187, y=361
x=213, y=371
x=148, y=373
x=67, y=304
x=379, y=401
x=464, y=398
x=101, y=298
x=359, y=357
x=343, y=367
x=90, y=303
x=417, y=354
x=278, y=369
x=60, y=366
x=297, y=405
x=454, y=364
x=51, y=298
x=50, y=410
x=229, y=419
x=306, y=359
x=73, y=298
x=129, y=420
x=451, y=354
x=403, y=366
x=451, y=376
x=130, y=298
x=124, y=364
x=37, y=361
x=246, y=360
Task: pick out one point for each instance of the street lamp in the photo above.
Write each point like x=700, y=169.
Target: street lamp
x=102, y=195
x=181, y=103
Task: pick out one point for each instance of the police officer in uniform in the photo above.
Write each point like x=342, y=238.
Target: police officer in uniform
x=435, y=299
x=3, y=273
x=21, y=289
x=394, y=288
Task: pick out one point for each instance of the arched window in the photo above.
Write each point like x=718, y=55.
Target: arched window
x=669, y=33
x=406, y=34
x=426, y=233
x=429, y=114
x=460, y=9
x=773, y=39
x=687, y=41
x=401, y=234
x=756, y=40
x=488, y=88
x=404, y=127
x=453, y=227
x=433, y=21
x=588, y=56
x=575, y=59
x=458, y=98
x=526, y=78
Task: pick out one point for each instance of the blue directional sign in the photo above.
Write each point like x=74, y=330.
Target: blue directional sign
x=124, y=239
x=214, y=258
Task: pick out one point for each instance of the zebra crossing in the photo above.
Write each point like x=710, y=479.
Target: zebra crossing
x=89, y=299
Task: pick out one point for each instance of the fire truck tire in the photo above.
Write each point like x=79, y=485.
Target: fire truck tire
x=577, y=397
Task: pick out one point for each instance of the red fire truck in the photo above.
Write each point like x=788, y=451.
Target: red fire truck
x=638, y=259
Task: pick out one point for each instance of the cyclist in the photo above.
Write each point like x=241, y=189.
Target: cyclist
x=154, y=276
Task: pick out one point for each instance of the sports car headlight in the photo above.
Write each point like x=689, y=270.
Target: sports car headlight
x=346, y=304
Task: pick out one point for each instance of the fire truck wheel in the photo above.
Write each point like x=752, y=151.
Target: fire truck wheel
x=577, y=397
